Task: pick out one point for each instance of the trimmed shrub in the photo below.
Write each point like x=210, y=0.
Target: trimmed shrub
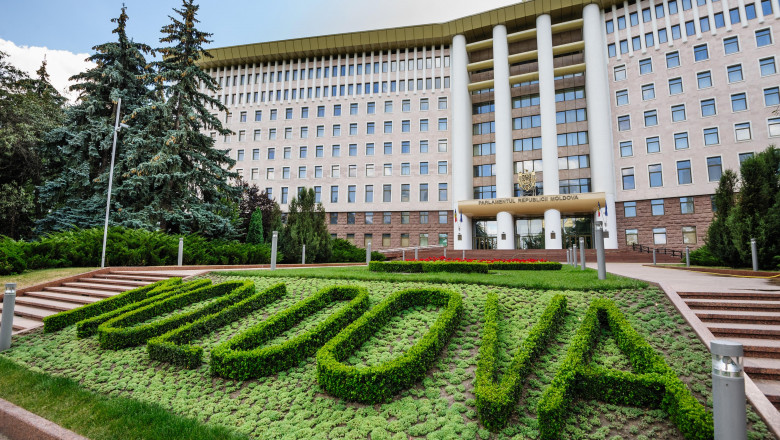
x=654, y=383
x=88, y=327
x=703, y=257
x=545, y=265
x=425, y=266
x=122, y=331
x=343, y=251
x=496, y=401
x=380, y=382
x=244, y=357
x=69, y=317
x=11, y=256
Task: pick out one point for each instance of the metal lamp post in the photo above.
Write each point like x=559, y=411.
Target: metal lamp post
x=117, y=127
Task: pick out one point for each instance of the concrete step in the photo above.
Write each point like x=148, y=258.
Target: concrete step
x=744, y=330
x=23, y=323
x=48, y=304
x=759, y=348
x=78, y=300
x=98, y=286
x=725, y=316
x=78, y=291
x=31, y=312
x=130, y=277
x=771, y=389
x=760, y=368
x=735, y=305
x=115, y=281
x=769, y=296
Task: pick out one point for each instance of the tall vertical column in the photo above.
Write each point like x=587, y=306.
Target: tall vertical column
x=504, y=167
x=597, y=96
x=462, y=155
x=550, y=180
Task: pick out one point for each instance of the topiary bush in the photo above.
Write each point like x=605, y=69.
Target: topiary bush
x=380, y=382
x=244, y=357
x=541, y=265
x=496, y=401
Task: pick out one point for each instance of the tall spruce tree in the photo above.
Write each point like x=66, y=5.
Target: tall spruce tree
x=78, y=153
x=180, y=182
x=306, y=226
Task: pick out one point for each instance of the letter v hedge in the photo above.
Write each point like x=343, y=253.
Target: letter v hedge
x=124, y=330
x=653, y=384
x=379, y=383
x=64, y=319
x=496, y=401
x=245, y=357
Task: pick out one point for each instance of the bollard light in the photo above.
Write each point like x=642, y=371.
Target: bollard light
x=181, y=250
x=7, y=324
x=728, y=390
x=582, y=253
x=303, y=254
x=654, y=257
x=754, y=253
x=687, y=256
x=274, y=240
x=368, y=253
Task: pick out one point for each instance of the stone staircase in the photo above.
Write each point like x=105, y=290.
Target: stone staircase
x=751, y=318
x=37, y=302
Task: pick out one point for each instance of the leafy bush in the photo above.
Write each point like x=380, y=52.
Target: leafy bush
x=123, y=331
x=654, y=383
x=425, y=266
x=495, y=402
x=546, y=265
x=11, y=256
x=173, y=346
x=343, y=251
x=244, y=356
x=69, y=317
x=704, y=257
x=380, y=382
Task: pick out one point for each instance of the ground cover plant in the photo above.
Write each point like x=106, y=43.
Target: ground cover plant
x=292, y=404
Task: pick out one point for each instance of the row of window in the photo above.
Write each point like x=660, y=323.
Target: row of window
x=333, y=91
x=701, y=52
x=351, y=171
x=767, y=66
x=533, y=143
x=567, y=186
x=657, y=207
x=711, y=136
x=335, y=150
x=386, y=239
x=684, y=173
x=659, y=236
x=532, y=121
x=369, y=217
x=660, y=12
x=368, y=193
x=354, y=109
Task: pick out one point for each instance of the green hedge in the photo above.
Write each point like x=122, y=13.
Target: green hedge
x=542, y=265
x=173, y=346
x=380, y=382
x=343, y=251
x=88, y=327
x=495, y=402
x=12, y=258
x=61, y=320
x=244, y=357
x=654, y=383
x=427, y=266
x=123, y=330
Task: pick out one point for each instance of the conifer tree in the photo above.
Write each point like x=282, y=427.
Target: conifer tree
x=180, y=182
x=306, y=226
x=78, y=153
x=254, y=234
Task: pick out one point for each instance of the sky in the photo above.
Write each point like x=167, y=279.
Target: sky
x=66, y=30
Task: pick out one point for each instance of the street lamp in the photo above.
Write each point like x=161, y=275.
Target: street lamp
x=117, y=127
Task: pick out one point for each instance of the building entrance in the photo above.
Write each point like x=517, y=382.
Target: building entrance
x=576, y=227
x=485, y=234
x=529, y=233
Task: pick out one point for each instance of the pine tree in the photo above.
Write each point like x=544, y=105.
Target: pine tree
x=306, y=226
x=78, y=154
x=718, y=236
x=180, y=182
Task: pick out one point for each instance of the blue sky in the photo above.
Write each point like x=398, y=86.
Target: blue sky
x=66, y=30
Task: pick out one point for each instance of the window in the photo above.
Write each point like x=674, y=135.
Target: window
x=258, y=115
x=731, y=45
x=681, y=141
x=353, y=130
x=686, y=205
x=626, y=149
x=690, y=28
x=742, y=131
x=648, y=92
x=649, y=40
x=708, y=107
x=632, y=236
x=442, y=103
x=442, y=124
x=763, y=37
x=611, y=50
x=621, y=97
x=334, y=194
x=320, y=130
x=735, y=73
x=768, y=66
x=623, y=46
x=734, y=15
x=620, y=73
x=369, y=193
x=386, y=218
x=700, y=52
x=662, y=37
x=443, y=215
x=442, y=192
x=672, y=59
x=387, y=169
x=689, y=234
x=423, y=192
x=714, y=168
x=738, y=102
x=659, y=235
x=561, y=117
x=285, y=172
x=675, y=86
x=766, y=7
x=405, y=192
x=719, y=20
x=711, y=136
x=645, y=66
x=684, y=172
x=772, y=96
x=704, y=24
x=624, y=122
x=442, y=167
x=423, y=125
x=656, y=176
x=610, y=26
x=388, y=106
x=678, y=113
x=423, y=146
x=285, y=192
x=704, y=79
x=628, y=178
x=318, y=171
x=653, y=144
x=525, y=101
x=240, y=155
x=651, y=118
x=773, y=126
x=256, y=154
x=657, y=206
x=750, y=11
x=629, y=209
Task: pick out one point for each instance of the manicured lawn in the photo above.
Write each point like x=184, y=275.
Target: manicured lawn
x=568, y=278
x=33, y=277
x=291, y=404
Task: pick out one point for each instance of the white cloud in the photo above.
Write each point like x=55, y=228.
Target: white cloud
x=61, y=64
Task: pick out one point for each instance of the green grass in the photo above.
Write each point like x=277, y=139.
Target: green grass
x=97, y=416
x=568, y=278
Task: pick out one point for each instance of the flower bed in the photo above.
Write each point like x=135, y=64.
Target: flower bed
x=426, y=266
x=467, y=265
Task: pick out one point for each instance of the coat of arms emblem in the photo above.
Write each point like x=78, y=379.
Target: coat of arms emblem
x=527, y=181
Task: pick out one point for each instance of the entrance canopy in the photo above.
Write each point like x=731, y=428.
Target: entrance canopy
x=533, y=205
